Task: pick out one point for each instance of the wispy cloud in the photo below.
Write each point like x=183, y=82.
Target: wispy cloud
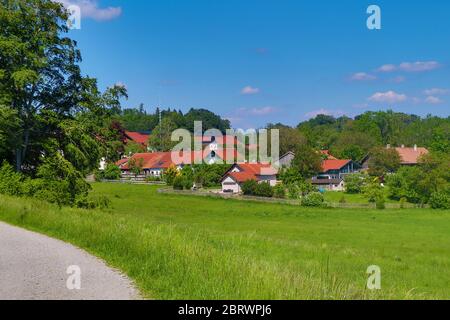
x=91, y=9
x=436, y=91
x=262, y=111
x=387, y=68
x=362, y=76
x=433, y=100
x=418, y=66
x=389, y=97
x=398, y=79
x=249, y=90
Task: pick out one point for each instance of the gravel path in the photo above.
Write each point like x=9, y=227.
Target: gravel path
x=34, y=267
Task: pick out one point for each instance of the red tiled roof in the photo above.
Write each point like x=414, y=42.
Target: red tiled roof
x=328, y=165
x=411, y=155
x=163, y=160
x=137, y=137
x=122, y=162
x=250, y=171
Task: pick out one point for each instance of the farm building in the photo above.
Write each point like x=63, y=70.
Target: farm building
x=239, y=173
x=408, y=156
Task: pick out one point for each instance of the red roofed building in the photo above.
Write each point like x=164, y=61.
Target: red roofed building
x=155, y=163
x=239, y=173
x=411, y=156
x=336, y=169
x=408, y=156
x=137, y=137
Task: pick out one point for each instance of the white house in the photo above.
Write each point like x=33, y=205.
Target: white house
x=239, y=173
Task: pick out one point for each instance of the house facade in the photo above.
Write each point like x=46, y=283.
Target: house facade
x=239, y=173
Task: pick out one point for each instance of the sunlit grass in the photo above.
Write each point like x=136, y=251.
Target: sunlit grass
x=177, y=247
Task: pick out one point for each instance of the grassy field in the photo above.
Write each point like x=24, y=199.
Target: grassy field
x=177, y=247
x=335, y=196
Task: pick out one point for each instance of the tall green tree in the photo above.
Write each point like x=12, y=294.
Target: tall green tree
x=54, y=109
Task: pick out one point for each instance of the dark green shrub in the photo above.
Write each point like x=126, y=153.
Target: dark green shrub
x=314, y=199
x=354, y=183
x=10, y=180
x=279, y=191
x=111, y=172
x=178, y=183
x=249, y=187
x=188, y=184
x=293, y=191
x=264, y=189
x=440, y=200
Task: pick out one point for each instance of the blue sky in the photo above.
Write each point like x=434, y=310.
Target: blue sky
x=256, y=61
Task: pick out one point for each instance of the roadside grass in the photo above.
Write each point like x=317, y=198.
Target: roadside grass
x=184, y=247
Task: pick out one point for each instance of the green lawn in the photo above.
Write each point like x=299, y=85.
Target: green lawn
x=336, y=196
x=177, y=246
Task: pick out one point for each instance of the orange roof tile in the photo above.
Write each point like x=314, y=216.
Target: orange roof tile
x=411, y=155
x=138, y=137
x=328, y=165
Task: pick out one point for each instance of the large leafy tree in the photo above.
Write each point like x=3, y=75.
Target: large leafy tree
x=53, y=108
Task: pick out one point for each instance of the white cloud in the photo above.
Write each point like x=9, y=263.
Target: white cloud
x=418, y=66
x=362, y=76
x=249, y=90
x=433, y=100
x=91, y=9
x=398, y=79
x=262, y=111
x=387, y=68
x=256, y=111
x=389, y=96
x=436, y=91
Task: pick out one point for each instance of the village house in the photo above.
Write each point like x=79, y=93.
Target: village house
x=155, y=163
x=333, y=172
x=137, y=137
x=233, y=179
x=408, y=156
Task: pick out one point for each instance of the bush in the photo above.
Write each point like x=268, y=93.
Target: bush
x=178, y=183
x=293, y=191
x=279, y=191
x=354, y=183
x=112, y=172
x=440, y=200
x=152, y=179
x=403, y=201
x=342, y=200
x=314, y=199
x=373, y=192
x=10, y=181
x=188, y=184
x=171, y=174
x=264, y=189
x=380, y=204
x=249, y=187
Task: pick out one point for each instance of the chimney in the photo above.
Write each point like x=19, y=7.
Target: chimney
x=415, y=147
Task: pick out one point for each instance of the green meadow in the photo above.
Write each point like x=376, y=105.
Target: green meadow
x=187, y=247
